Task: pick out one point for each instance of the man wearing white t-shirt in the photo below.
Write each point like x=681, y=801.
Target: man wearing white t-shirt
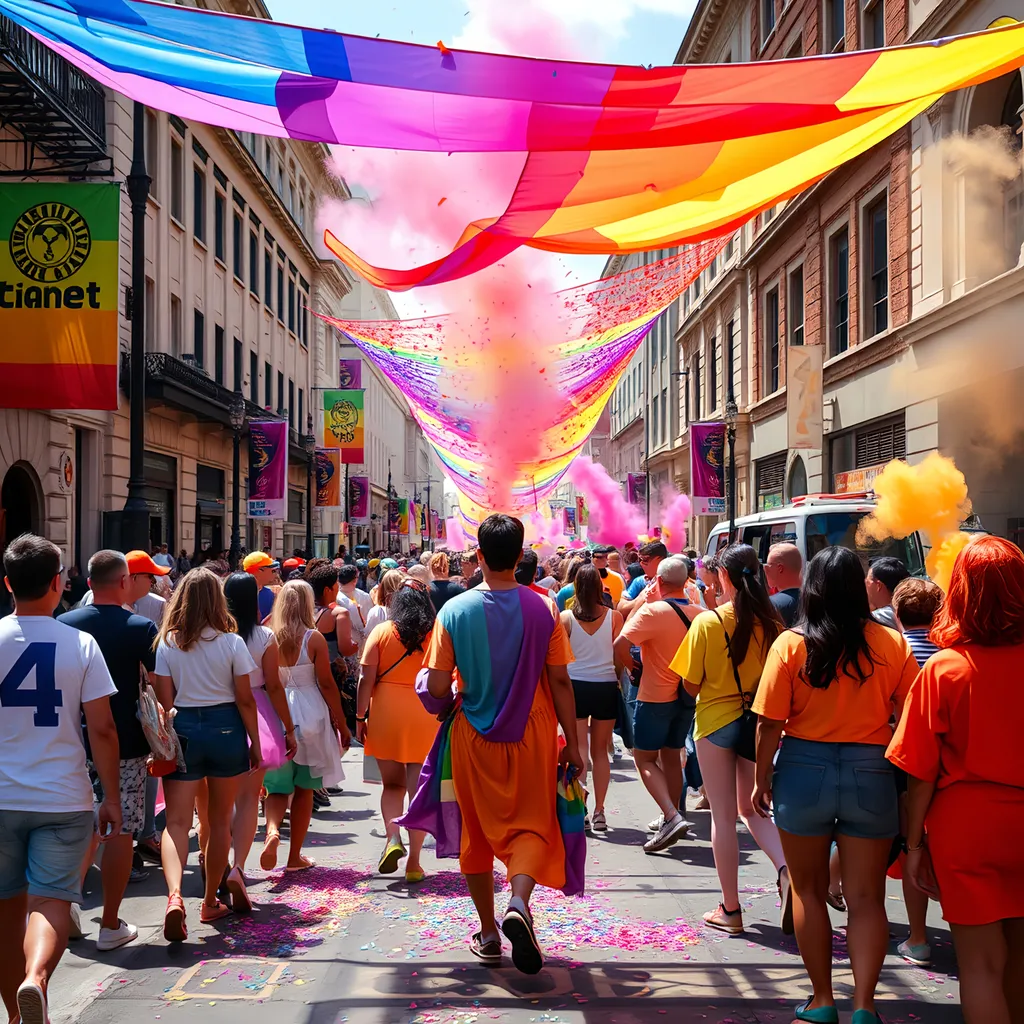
x=356, y=602
x=50, y=674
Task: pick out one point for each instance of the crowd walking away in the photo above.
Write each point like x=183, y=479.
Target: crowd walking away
x=847, y=715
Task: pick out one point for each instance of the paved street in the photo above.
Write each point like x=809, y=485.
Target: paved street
x=342, y=944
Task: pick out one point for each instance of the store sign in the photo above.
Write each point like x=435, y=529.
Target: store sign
x=59, y=297
x=856, y=481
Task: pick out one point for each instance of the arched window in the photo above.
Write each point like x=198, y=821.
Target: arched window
x=797, y=479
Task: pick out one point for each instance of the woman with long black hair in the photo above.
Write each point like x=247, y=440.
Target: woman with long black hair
x=592, y=628
x=720, y=663
x=390, y=719
x=833, y=684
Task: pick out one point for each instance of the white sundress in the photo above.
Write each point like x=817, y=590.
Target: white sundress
x=317, y=743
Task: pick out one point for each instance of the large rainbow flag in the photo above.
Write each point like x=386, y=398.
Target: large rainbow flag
x=615, y=159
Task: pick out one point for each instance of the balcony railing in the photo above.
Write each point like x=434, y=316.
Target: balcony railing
x=55, y=107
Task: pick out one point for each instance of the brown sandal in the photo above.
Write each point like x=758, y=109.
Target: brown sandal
x=240, y=902
x=175, y=929
x=268, y=858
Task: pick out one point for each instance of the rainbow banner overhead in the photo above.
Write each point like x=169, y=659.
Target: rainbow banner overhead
x=615, y=158
x=59, y=295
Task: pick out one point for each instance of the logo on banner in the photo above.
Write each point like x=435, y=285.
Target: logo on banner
x=343, y=418
x=50, y=242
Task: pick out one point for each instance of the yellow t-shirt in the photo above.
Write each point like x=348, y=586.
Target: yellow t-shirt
x=702, y=661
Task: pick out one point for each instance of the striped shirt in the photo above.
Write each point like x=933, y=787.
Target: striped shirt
x=920, y=646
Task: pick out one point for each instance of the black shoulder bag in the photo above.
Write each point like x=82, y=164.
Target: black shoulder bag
x=676, y=604
x=746, y=745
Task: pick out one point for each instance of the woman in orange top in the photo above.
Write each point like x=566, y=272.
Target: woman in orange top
x=959, y=741
x=833, y=687
x=390, y=720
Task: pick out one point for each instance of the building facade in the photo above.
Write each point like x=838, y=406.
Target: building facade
x=233, y=282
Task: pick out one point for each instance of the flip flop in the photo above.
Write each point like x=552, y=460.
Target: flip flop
x=488, y=953
x=415, y=877
x=822, y=1015
x=240, y=902
x=268, y=858
x=393, y=853
x=175, y=929
x=526, y=954
x=307, y=863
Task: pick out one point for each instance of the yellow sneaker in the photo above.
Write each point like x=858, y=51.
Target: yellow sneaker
x=393, y=853
x=415, y=877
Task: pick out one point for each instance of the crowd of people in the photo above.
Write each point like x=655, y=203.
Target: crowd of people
x=852, y=717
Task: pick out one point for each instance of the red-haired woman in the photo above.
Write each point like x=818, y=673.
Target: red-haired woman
x=959, y=741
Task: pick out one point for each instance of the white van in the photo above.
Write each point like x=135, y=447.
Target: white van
x=814, y=522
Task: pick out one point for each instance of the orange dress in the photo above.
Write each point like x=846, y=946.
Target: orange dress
x=400, y=728
x=961, y=729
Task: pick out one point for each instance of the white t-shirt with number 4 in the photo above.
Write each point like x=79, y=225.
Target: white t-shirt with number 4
x=47, y=672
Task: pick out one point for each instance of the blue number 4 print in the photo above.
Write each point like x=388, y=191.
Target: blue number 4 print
x=45, y=698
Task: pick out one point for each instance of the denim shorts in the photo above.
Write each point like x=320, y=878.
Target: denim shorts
x=661, y=724
x=214, y=742
x=42, y=852
x=728, y=736
x=824, y=789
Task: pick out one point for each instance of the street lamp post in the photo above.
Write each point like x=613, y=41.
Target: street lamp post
x=236, y=414
x=309, y=443
x=732, y=415
x=135, y=518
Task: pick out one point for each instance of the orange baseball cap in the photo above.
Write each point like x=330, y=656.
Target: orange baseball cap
x=140, y=562
x=259, y=560
x=294, y=563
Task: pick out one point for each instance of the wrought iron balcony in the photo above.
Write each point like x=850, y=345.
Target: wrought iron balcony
x=172, y=381
x=58, y=110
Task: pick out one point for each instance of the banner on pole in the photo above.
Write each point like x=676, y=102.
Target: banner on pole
x=268, y=469
x=707, y=468
x=350, y=373
x=359, y=500
x=569, y=520
x=403, y=516
x=636, y=488
x=804, y=386
x=582, y=514
x=414, y=519
x=328, y=478
x=59, y=293
x=393, y=514
x=343, y=424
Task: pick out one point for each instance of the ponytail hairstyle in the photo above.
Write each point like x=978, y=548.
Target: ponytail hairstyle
x=751, y=604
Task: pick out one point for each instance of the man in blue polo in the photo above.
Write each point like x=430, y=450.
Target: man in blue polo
x=263, y=567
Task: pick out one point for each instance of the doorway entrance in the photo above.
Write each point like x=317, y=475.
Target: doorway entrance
x=20, y=503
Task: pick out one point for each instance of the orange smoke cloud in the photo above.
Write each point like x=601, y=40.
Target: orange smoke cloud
x=930, y=497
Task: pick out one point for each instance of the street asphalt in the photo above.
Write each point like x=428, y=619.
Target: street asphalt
x=342, y=944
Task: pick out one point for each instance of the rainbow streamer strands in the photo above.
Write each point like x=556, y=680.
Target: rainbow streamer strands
x=508, y=399
x=615, y=159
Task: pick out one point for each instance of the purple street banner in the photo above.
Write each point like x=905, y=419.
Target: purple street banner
x=350, y=374
x=393, y=515
x=268, y=469
x=707, y=468
x=636, y=488
x=328, y=478
x=359, y=500
x=569, y=520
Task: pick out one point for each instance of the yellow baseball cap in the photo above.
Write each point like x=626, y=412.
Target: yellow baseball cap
x=373, y=563
x=259, y=560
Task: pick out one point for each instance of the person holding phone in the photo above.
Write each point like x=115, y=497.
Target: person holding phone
x=202, y=670
x=46, y=801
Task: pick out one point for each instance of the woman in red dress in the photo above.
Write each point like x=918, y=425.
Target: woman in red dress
x=959, y=741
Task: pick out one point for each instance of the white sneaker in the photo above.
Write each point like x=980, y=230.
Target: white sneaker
x=75, y=931
x=667, y=835
x=655, y=826
x=114, y=938
x=32, y=1004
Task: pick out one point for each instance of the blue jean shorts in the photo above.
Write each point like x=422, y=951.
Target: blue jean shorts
x=214, y=742
x=657, y=725
x=728, y=736
x=824, y=789
x=41, y=852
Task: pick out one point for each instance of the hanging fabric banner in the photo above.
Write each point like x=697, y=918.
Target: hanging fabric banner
x=707, y=468
x=414, y=519
x=569, y=520
x=435, y=526
x=59, y=295
x=402, y=525
x=268, y=469
x=636, y=488
x=804, y=386
x=328, y=478
x=423, y=521
x=393, y=515
x=350, y=373
x=359, y=500
x=582, y=516
x=343, y=424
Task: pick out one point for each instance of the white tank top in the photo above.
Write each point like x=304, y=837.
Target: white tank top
x=594, y=662
x=303, y=672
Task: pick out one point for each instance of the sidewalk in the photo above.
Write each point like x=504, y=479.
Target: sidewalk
x=341, y=943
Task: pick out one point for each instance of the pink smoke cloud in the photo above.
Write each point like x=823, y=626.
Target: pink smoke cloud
x=612, y=519
x=675, y=511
